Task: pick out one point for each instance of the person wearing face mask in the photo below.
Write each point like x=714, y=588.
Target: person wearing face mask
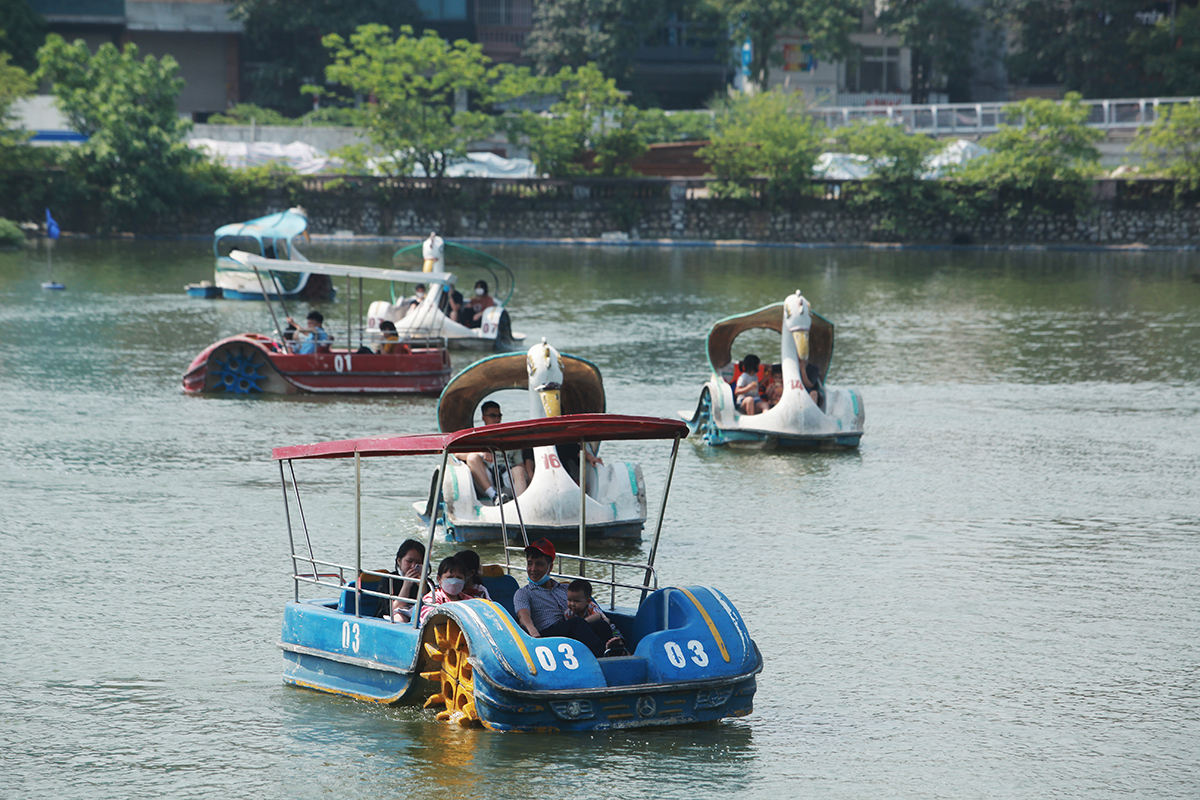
x=451, y=579
x=481, y=302
x=542, y=605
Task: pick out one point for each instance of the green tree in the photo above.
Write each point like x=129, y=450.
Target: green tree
x=1043, y=163
x=826, y=24
x=283, y=42
x=15, y=83
x=908, y=207
x=767, y=134
x=573, y=33
x=591, y=129
x=1082, y=44
x=937, y=33
x=895, y=154
x=415, y=84
x=1171, y=146
x=21, y=33
x=1170, y=54
x=135, y=159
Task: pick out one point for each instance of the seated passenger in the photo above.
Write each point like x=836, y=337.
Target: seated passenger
x=408, y=303
x=541, y=604
x=409, y=560
x=451, y=578
x=810, y=376
x=745, y=390
x=454, y=307
x=581, y=604
x=391, y=339
x=472, y=569
x=477, y=305
x=482, y=465
x=312, y=334
x=773, y=390
x=568, y=456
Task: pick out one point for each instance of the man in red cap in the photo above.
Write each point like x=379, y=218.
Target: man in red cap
x=541, y=604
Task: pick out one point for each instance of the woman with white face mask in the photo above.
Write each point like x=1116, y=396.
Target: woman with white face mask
x=451, y=578
x=479, y=303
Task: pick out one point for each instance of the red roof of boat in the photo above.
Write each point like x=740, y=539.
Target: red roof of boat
x=506, y=436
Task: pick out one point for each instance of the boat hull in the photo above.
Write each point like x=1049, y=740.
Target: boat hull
x=702, y=667
x=251, y=364
x=795, y=423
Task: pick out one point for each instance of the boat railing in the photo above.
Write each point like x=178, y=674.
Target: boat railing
x=647, y=581
x=337, y=580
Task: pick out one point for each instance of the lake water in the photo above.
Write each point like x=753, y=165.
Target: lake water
x=997, y=596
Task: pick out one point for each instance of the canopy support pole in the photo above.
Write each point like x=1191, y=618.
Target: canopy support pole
x=278, y=328
x=582, y=503
x=662, y=510
x=358, y=534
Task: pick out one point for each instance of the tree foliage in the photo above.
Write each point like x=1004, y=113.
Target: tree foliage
x=766, y=134
x=1170, y=54
x=938, y=34
x=415, y=84
x=135, y=157
x=1082, y=44
x=22, y=32
x=283, y=42
x=1042, y=163
x=574, y=33
x=1171, y=146
x=591, y=129
x=826, y=24
x=15, y=83
x=895, y=154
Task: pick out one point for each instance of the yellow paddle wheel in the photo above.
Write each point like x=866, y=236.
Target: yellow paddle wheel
x=455, y=677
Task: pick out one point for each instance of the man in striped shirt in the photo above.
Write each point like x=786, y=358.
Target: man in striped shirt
x=542, y=603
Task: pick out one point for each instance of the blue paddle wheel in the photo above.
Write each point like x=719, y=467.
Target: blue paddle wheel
x=238, y=369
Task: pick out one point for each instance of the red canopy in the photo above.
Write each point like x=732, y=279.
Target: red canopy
x=506, y=436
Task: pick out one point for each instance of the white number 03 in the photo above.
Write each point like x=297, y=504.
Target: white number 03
x=676, y=657
x=545, y=657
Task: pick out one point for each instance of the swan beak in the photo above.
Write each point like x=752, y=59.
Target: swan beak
x=429, y=262
x=801, y=339
x=552, y=402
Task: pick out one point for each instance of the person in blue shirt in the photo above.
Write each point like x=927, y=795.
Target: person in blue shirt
x=308, y=337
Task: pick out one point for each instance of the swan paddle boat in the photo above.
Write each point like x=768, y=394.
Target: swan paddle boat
x=614, y=500
x=691, y=658
x=272, y=236
x=834, y=419
x=252, y=363
x=427, y=317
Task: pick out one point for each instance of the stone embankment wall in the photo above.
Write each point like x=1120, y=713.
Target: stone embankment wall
x=682, y=210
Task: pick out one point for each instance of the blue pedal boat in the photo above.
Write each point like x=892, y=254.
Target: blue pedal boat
x=691, y=659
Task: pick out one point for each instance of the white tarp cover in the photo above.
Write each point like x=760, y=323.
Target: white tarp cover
x=486, y=165
x=850, y=166
x=303, y=158
x=957, y=152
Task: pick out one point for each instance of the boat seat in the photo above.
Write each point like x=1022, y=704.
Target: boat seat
x=500, y=586
x=649, y=617
x=372, y=606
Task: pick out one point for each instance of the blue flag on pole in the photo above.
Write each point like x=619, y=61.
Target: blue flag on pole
x=51, y=226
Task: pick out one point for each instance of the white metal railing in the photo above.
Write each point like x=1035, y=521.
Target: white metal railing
x=947, y=119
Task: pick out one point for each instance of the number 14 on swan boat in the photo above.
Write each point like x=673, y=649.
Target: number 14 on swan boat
x=690, y=656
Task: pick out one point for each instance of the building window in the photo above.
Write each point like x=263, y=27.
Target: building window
x=874, y=69
x=443, y=9
x=504, y=13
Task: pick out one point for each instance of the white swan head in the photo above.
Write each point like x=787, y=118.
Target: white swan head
x=434, y=251
x=545, y=368
x=797, y=320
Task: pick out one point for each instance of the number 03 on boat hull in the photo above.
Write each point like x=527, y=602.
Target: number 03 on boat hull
x=690, y=657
